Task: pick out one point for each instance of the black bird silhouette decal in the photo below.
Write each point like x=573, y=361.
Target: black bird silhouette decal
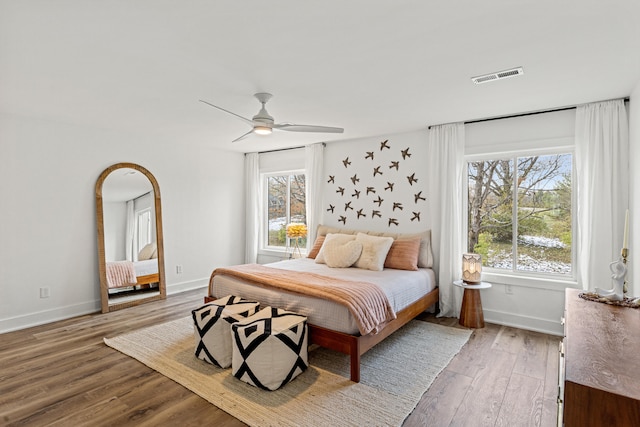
x=340, y=190
x=377, y=171
x=376, y=213
x=418, y=197
x=393, y=221
x=355, y=179
x=361, y=214
x=369, y=155
x=356, y=194
x=331, y=208
x=412, y=178
x=384, y=144
x=343, y=219
x=397, y=205
x=389, y=186
x=371, y=190
x=346, y=162
x=416, y=215
x=379, y=201
x=332, y=179
x=347, y=206
x=395, y=165
x=405, y=153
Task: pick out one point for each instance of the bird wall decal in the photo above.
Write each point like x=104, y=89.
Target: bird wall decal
x=369, y=155
x=346, y=162
x=394, y=165
x=412, y=178
x=405, y=153
x=384, y=144
x=377, y=171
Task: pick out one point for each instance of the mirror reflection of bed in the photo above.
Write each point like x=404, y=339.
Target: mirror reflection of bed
x=129, y=234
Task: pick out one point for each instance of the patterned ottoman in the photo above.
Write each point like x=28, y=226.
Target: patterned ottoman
x=270, y=348
x=212, y=327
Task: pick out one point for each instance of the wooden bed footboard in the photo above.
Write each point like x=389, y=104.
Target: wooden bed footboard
x=357, y=345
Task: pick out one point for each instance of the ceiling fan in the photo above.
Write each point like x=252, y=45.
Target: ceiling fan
x=263, y=124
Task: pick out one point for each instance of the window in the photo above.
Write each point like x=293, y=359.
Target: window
x=143, y=228
x=285, y=203
x=520, y=213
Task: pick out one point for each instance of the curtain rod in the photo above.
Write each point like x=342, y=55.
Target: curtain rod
x=324, y=144
x=531, y=113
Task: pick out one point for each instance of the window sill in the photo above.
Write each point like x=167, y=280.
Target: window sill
x=551, y=283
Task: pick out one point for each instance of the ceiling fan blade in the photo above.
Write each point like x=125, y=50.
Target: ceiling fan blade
x=290, y=127
x=244, y=119
x=243, y=136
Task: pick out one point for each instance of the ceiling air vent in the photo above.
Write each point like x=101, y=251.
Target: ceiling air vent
x=498, y=76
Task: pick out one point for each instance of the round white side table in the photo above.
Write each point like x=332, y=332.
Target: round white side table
x=471, y=315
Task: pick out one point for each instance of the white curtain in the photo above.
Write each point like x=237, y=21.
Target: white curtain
x=253, y=195
x=602, y=164
x=314, y=166
x=445, y=178
x=130, y=232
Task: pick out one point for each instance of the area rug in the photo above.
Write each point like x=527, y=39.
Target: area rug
x=394, y=376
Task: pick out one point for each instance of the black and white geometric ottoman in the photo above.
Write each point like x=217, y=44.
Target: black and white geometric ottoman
x=212, y=327
x=270, y=348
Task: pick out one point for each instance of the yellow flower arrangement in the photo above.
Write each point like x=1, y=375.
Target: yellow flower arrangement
x=296, y=230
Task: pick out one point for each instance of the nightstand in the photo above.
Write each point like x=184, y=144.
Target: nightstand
x=471, y=315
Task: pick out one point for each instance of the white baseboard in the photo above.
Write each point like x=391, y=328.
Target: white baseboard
x=61, y=313
x=536, y=324
x=48, y=316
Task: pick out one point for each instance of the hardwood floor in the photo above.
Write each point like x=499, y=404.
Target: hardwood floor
x=62, y=374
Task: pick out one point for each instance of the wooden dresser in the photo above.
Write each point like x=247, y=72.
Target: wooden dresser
x=600, y=364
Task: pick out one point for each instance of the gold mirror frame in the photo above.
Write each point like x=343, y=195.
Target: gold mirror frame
x=104, y=287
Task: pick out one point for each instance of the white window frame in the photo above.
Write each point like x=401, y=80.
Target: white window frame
x=265, y=248
x=514, y=276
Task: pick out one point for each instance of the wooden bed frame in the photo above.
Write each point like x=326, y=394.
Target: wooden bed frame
x=357, y=345
x=149, y=278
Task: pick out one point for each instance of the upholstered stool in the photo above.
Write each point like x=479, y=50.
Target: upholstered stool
x=270, y=348
x=212, y=327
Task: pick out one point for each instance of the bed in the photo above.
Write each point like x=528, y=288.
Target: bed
x=332, y=325
x=125, y=274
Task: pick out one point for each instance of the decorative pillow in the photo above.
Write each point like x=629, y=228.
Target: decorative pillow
x=342, y=255
x=374, y=251
x=425, y=257
x=403, y=254
x=147, y=252
x=316, y=247
x=341, y=238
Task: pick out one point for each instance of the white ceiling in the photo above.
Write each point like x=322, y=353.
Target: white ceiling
x=372, y=67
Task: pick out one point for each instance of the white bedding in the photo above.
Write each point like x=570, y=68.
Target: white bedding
x=148, y=266
x=402, y=288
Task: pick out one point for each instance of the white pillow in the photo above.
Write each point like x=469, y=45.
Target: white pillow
x=341, y=238
x=147, y=252
x=342, y=255
x=374, y=251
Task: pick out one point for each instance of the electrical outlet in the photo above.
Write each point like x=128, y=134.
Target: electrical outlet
x=178, y=269
x=508, y=289
x=45, y=292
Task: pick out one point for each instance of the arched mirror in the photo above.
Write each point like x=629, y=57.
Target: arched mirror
x=130, y=247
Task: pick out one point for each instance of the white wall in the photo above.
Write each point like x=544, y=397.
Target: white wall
x=115, y=230
x=633, y=275
x=47, y=219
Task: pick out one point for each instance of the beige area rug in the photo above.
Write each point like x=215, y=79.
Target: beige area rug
x=395, y=374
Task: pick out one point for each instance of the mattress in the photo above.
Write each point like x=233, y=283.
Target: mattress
x=401, y=287
x=146, y=267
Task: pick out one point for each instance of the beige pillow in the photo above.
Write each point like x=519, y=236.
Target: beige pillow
x=374, y=251
x=316, y=247
x=425, y=257
x=146, y=252
x=403, y=254
x=341, y=238
x=342, y=254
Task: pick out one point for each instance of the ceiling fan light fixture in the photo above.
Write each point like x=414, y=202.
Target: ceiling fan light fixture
x=262, y=130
